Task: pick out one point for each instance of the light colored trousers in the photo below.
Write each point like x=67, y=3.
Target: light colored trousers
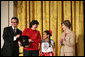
x=62, y=53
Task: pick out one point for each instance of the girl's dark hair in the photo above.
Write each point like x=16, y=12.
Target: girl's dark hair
x=48, y=33
x=33, y=22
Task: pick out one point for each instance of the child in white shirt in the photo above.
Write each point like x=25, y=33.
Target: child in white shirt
x=47, y=44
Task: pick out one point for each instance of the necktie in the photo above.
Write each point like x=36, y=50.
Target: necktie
x=14, y=31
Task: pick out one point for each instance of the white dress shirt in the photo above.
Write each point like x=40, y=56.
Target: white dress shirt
x=15, y=31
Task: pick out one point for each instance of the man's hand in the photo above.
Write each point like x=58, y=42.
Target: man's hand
x=30, y=40
x=18, y=35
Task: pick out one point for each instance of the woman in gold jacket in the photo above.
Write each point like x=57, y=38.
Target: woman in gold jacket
x=67, y=40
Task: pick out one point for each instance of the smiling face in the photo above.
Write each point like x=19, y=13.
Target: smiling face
x=64, y=27
x=35, y=26
x=14, y=22
x=45, y=36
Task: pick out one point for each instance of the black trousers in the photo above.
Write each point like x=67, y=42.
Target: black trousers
x=10, y=50
x=30, y=53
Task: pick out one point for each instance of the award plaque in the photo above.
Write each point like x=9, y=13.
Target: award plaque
x=24, y=40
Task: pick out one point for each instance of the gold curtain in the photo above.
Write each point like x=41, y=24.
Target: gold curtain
x=50, y=15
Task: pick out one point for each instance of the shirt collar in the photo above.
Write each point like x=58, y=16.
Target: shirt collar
x=32, y=29
x=13, y=27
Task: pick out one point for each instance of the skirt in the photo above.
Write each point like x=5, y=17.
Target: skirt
x=46, y=54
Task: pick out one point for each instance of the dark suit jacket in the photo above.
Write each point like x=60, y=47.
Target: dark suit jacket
x=10, y=47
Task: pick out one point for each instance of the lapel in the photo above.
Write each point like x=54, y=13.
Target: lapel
x=68, y=36
x=11, y=31
x=17, y=32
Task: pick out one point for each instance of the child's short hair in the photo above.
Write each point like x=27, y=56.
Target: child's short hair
x=34, y=22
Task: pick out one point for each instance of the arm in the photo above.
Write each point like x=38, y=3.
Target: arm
x=17, y=37
x=61, y=39
x=19, y=43
x=40, y=50
x=54, y=51
x=6, y=36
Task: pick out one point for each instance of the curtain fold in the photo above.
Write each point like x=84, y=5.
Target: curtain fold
x=50, y=15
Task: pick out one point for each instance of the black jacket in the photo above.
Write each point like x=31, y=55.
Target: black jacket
x=10, y=47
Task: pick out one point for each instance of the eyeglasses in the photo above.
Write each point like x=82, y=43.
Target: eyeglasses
x=13, y=22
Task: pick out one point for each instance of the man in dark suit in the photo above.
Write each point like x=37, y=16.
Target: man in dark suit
x=11, y=36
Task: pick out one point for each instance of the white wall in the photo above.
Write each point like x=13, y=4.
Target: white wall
x=7, y=12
